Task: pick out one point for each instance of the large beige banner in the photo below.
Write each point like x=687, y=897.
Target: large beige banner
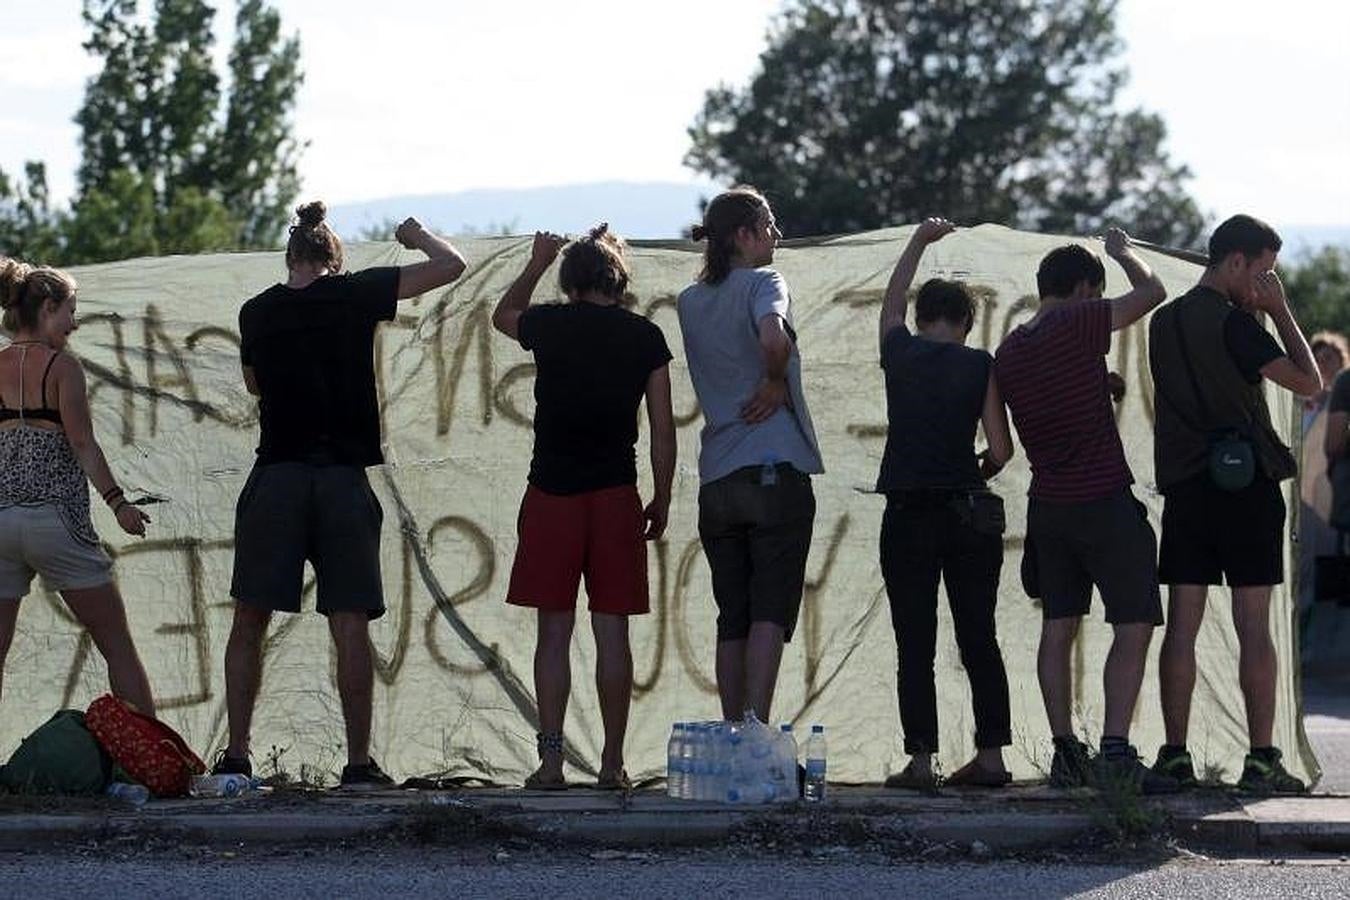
x=159, y=340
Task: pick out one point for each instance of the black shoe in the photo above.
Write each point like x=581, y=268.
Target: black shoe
x=1070, y=767
x=228, y=765
x=1177, y=765
x=368, y=777
x=1126, y=770
x=1263, y=773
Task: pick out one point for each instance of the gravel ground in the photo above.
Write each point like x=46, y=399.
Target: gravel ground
x=438, y=873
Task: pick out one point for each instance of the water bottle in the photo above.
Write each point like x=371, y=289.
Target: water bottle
x=220, y=785
x=687, y=762
x=675, y=762
x=787, y=764
x=698, y=762
x=134, y=794
x=815, y=765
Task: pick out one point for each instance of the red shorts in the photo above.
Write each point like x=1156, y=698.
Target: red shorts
x=564, y=536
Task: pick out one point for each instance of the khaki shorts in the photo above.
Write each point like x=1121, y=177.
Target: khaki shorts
x=35, y=540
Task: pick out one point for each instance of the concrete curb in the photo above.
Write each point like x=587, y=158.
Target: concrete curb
x=1031, y=823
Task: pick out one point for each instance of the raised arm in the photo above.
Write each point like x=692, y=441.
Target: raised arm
x=994, y=418
x=443, y=265
x=506, y=317
x=1297, y=370
x=1146, y=289
x=893, y=307
x=72, y=399
x=661, y=419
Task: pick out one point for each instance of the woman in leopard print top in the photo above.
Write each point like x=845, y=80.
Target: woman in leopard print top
x=48, y=455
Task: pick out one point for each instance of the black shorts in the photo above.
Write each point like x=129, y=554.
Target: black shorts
x=756, y=537
x=1213, y=536
x=290, y=512
x=1107, y=544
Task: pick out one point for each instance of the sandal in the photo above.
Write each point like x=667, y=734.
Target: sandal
x=618, y=781
x=972, y=774
x=536, y=782
x=909, y=779
x=546, y=743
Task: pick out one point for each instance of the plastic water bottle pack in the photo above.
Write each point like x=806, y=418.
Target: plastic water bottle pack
x=724, y=762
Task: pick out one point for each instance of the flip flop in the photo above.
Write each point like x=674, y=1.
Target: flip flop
x=973, y=774
x=534, y=782
x=617, y=782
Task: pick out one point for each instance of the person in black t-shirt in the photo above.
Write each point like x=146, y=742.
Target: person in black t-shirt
x=308, y=355
x=1209, y=356
x=941, y=521
x=581, y=515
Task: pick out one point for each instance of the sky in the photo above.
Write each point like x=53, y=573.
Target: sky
x=434, y=96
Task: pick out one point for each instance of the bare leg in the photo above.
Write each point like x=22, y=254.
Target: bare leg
x=356, y=680
x=614, y=682
x=101, y=612
x=1123, y=675
x=731, y=678
x=1176, y=662
x=243, y=673
x=553, y=682
x=1053, y=668
x=763, y=653
x=9, y=616
x=1256, y=661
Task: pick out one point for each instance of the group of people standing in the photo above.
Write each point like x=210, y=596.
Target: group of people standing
x=307, y=353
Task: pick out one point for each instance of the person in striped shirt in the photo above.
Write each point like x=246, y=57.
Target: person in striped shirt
x=1085, y=529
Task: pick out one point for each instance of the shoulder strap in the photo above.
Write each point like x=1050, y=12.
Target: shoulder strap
x=45, y=372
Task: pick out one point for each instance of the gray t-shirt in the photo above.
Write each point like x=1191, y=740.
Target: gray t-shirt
x=720, y=324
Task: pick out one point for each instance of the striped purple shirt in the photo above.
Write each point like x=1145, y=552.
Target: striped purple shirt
x=1053, y=378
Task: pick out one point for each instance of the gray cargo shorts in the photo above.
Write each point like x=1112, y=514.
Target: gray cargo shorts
x=292, y=512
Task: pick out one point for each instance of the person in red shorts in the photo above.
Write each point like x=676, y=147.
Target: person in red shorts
x=581, y=515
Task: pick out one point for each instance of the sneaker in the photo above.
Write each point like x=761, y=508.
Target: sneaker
x=1263, y=773
x=228, y=765
x=1177, y=765
x=1127, y=769
x=369, y=777
x=1070, y=767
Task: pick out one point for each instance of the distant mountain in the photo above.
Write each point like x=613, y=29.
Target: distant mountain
x=634, y=210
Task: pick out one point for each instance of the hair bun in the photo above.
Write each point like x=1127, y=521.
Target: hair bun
x=698, y=232
x=311, y=215
x=13, y=280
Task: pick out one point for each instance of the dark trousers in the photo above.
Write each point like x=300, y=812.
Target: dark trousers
x=924, y=537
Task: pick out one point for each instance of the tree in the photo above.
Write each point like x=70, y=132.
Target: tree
x=1319, y=290
x=866, y=113
x=170, y=161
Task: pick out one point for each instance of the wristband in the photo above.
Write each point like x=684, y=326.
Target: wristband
x=112, y=493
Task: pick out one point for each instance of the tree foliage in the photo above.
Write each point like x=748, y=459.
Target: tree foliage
x=1319, y=289
x=866, y=113
x=172, y=161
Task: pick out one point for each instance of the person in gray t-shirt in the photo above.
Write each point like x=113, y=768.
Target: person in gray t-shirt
x=756, y=507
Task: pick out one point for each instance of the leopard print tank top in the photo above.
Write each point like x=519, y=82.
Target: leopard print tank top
x=38, y=466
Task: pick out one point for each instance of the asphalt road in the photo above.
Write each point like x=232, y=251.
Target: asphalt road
x=441, y=873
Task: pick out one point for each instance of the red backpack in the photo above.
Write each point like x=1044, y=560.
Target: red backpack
x=147, y=749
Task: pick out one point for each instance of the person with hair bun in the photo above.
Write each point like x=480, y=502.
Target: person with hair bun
x=581, y=515
x=307, y=349
x=759, y=449
x=48, y=456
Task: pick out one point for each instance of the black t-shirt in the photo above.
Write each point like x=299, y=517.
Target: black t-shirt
x=312, y=352
x=593, y=364
x=934, y=397
x=1340, y=393
x=1250, y=345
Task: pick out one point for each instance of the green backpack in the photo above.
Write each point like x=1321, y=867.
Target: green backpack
x=61, y=757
